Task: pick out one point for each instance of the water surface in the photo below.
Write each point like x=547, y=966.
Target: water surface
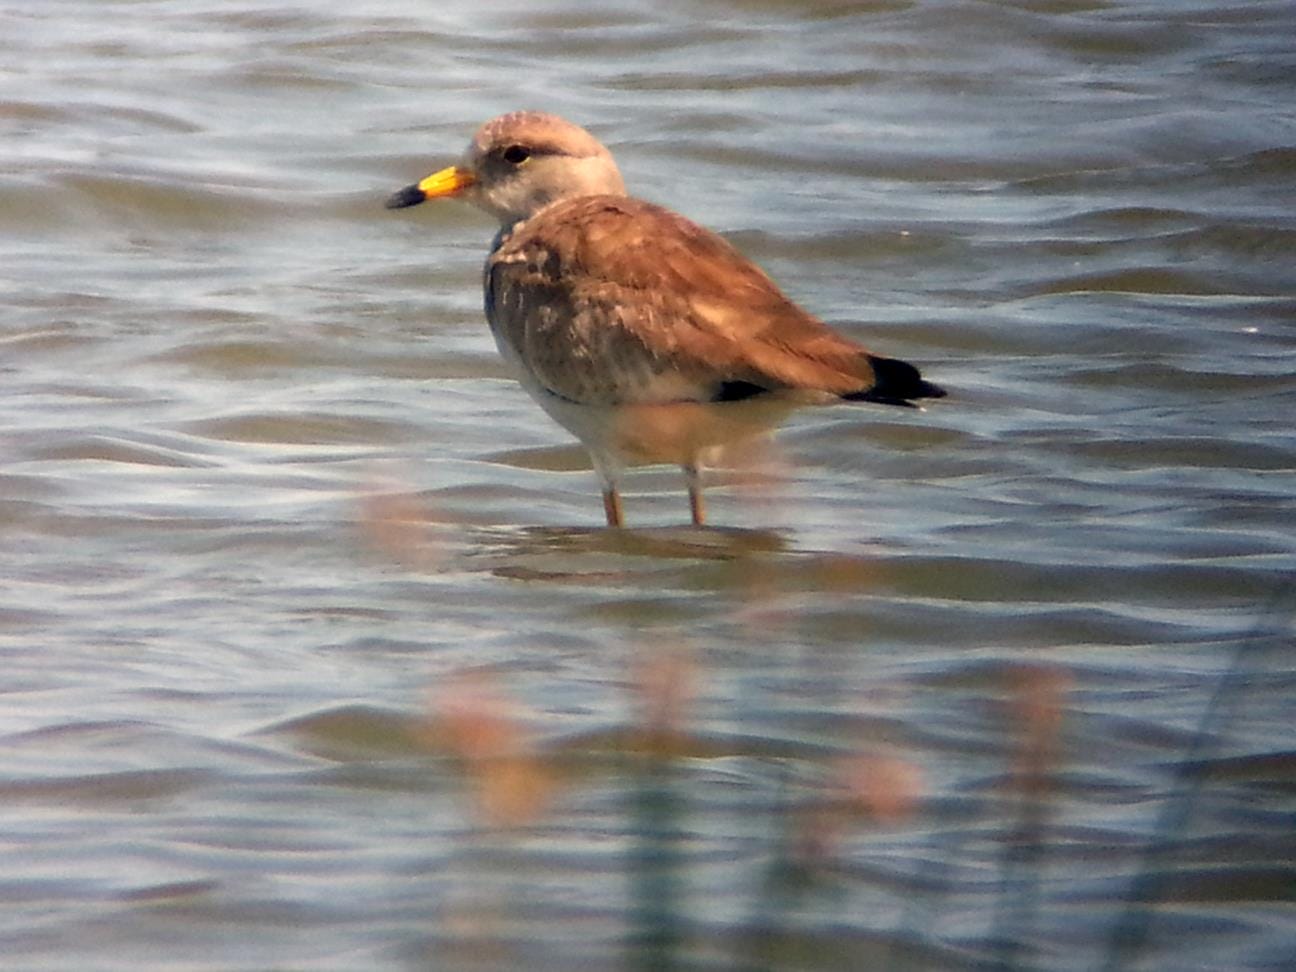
x=317, y=656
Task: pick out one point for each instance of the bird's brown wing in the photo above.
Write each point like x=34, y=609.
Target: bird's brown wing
x=611, y=300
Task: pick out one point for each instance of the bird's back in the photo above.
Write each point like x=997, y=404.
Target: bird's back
x=613, y=300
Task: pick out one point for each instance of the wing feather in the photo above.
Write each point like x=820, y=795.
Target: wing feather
x=612, y=300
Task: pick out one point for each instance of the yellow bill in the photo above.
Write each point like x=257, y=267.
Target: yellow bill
x=450, y=181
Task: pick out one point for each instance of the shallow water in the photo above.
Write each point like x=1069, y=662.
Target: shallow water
x=317, y=656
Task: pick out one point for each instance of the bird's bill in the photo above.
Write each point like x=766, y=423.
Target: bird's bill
x=450, y=181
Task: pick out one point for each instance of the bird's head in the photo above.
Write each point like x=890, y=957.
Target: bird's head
x=518, y=164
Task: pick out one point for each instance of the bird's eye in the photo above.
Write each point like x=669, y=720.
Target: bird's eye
x=516, y=154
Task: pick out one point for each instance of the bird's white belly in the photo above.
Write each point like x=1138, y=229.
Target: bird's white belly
x=679, y=432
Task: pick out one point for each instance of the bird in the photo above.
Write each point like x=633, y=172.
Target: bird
x=648, y=337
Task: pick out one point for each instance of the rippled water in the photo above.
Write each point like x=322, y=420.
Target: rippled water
x=317, y=656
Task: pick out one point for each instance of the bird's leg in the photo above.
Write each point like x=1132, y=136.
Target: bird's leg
x=697, y=508
x=608, y=473
x=612, y=506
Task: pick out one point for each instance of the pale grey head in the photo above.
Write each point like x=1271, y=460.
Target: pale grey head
x=519, y=163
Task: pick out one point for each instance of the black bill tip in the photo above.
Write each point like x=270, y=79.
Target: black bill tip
x=409, y=196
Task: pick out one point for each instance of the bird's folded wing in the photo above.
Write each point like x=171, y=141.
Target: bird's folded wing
x=611, y=300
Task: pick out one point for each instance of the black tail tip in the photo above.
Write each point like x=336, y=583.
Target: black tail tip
x=896, y=382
